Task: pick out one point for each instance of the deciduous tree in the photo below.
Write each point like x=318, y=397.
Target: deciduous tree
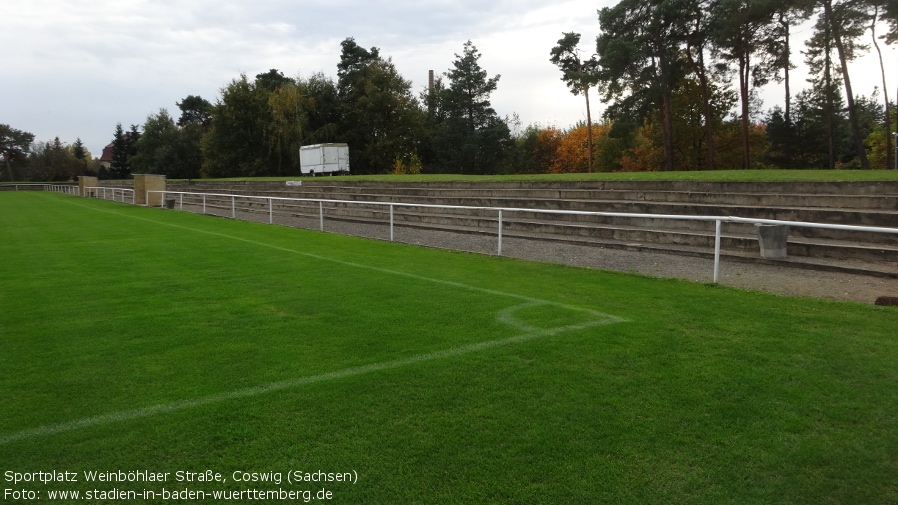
x=380, y=117
x=570, y=155
x=195, y=110
x=52, y=161
x=235, y=144
x=288, y=128
x=14, y=147
x=157, y=147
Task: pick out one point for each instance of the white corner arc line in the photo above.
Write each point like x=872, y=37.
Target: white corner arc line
x=139, y=413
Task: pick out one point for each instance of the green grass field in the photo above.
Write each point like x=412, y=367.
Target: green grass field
x=699, y=175
x=143, y=339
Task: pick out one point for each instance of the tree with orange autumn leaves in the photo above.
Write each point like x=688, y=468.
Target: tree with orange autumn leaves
x=572, y=154
x=556, y=151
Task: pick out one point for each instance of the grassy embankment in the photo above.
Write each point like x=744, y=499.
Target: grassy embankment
x=716, y=175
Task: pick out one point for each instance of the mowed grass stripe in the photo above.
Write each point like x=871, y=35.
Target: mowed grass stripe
x=706, y=395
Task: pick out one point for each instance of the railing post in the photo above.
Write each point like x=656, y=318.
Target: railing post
x=204, y=203
x=391, y=222
x=270, y=212
x=181, y=202
x=321, y=214
x=233, y=207
x=716, y=251
x=499, y=251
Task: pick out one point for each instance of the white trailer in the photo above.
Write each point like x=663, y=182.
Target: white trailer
x=324, y=159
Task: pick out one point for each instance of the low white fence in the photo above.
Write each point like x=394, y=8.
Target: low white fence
x=125, y=195
x=173, y=198
x=69, y=189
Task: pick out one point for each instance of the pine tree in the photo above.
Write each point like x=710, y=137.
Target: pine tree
x=475, y=136
x=121, y=151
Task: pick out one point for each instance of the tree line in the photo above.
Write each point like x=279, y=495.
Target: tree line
x=666, y=67
x=257, y=126
x=679, y=79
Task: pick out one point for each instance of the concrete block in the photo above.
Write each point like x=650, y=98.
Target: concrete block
x=148, y=182
x=887, y=301
x=772, y=238
x=87, y=181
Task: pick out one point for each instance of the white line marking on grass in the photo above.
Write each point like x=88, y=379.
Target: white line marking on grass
x=506, y=316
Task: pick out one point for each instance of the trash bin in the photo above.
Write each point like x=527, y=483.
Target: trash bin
x=169, y=203
x=772, y=238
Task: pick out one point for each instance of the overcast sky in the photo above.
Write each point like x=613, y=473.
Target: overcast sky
x=76, y=68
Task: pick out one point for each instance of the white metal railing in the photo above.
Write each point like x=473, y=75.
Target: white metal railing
x=718, y=220
x=66, y=188
x=109, y=193
x=70, y=189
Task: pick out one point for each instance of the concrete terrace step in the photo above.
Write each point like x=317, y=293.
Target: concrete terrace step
x=737, y=238
x=569, y=200
x=882, y=218
x=876, y=201
x=867, y=204
x=833, y=188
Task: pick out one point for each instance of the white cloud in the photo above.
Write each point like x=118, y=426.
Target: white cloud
x=75, y=69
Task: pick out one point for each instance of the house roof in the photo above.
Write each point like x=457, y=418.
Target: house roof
x=107, y=153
